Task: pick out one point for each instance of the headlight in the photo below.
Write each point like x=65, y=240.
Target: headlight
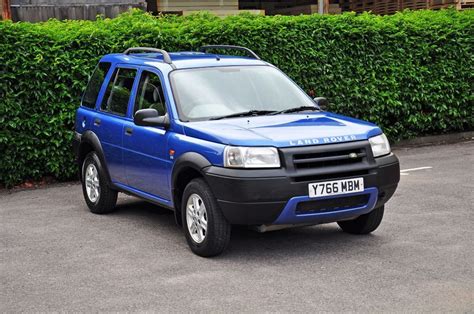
x=251, y=157
x=380, y=145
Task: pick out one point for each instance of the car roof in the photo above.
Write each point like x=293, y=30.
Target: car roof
x=183, y=60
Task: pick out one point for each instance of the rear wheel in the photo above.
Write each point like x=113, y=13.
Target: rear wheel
x=205, y=227
x=363, y=224
x=100, y=198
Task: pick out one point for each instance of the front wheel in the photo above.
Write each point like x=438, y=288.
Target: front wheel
x=363, y=224
x=205, y=227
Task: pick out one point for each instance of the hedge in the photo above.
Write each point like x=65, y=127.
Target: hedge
x=411, y=73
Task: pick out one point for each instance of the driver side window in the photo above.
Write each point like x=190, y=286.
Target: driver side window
x=150, y=93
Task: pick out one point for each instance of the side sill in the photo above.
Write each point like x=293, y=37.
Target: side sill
x=143, y=195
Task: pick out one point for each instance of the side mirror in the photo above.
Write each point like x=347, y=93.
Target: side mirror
x=151, y=117
x=322, y=102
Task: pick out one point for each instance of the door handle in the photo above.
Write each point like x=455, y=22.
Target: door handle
x=128, y=131
x=96, y=122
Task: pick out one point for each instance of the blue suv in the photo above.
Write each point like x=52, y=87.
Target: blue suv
x=226, y=140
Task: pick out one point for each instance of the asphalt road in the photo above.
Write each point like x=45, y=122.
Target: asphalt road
x=55, y=255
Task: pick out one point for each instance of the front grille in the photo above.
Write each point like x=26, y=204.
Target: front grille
x=329, y=159
x=332, y=204
x=327, y=162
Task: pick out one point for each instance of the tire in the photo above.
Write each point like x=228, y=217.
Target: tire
x=106, y=198
x=214, y=239
x=364, y=224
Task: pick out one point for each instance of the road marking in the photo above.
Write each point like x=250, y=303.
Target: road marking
x=404, y=172
x=415, y=169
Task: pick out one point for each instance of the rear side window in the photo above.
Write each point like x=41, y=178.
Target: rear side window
x=118, y=91
x=93, y=87
x=150, y=93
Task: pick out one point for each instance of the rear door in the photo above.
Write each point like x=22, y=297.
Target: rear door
x=108, y=123
x=146, y=155
x=89, y=102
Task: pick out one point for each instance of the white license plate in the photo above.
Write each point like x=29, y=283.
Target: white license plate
x=337, y=187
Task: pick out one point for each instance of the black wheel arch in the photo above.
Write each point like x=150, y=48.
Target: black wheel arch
x=90, y=142
x=187, y=167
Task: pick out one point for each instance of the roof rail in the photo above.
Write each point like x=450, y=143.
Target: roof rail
x=250, y=52
x=166, y=56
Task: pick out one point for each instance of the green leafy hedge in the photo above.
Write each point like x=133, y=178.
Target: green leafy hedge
x=412, y=72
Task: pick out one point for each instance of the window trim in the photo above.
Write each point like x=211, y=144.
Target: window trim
x=119, y=66
x=99, y=94
x=136, y=95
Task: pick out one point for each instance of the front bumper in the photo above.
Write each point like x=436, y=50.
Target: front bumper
x=271, y=197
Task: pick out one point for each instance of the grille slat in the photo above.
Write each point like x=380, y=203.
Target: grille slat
x=331, y=176
x=328, y=159
x=332, y=204
x=322, y=159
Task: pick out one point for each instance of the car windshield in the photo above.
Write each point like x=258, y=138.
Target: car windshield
x=209, y=93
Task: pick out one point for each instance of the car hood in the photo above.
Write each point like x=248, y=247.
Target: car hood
x=283, y=130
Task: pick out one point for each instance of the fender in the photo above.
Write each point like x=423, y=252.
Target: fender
x=191, y=160
x=91, y=138
x=187, y=160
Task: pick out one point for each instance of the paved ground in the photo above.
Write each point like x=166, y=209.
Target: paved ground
x=55, y=255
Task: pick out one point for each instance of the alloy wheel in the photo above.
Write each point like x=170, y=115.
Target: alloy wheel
x=91, y=179
x=196, y=218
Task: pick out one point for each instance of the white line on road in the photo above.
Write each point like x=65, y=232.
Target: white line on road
x=415, y=169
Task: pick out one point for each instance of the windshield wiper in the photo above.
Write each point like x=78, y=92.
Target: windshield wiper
x=297, y=109
x=245, y=114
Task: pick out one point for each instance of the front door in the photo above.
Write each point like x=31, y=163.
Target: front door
x=146, y=157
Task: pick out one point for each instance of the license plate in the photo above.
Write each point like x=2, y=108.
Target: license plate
x=337, y=187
